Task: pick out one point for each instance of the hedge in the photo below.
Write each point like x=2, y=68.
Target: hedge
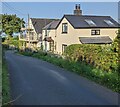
x=99, y=56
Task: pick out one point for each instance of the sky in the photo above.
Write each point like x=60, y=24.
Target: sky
x=58, y=9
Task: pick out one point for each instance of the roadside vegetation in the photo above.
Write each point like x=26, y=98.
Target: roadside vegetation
x=0, y=73
x=10, y=24
x=5, y=82
x=99, y=63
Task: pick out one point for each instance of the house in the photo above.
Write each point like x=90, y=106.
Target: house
x=31, y=36
x=81, y=29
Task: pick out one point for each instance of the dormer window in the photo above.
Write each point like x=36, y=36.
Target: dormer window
x=109, y=22
x=64, y=28
x=90, y=22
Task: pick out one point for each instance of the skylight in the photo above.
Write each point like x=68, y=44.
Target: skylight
x=90, y=22
x=109, y=23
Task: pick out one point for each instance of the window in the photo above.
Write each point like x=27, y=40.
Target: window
x=64, y=27
x=109, y=22
x=95, y=32
x=51, y=46
x=90, y=22
x=55, y=46
x=63, y=47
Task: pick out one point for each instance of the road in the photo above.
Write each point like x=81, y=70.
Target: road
x=36, y=82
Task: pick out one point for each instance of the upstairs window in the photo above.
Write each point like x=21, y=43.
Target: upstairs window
x=109, y=22
x=64, y=28
x=95, y=32
x=90, y=23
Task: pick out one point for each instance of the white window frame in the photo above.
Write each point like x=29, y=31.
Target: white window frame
x=64, y=30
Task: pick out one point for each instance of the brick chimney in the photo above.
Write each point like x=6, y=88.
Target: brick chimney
x=77, y=10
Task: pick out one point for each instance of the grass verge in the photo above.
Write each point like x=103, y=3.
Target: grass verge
x=107, y=79
x=5, y=83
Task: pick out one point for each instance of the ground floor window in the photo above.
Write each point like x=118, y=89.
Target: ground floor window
x=63, y=47
x=51, y=44
x=55, y=46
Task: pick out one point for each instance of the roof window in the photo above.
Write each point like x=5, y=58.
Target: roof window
x=90, y=22
x=109, y=22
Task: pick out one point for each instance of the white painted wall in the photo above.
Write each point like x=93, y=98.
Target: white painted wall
x=50, y=33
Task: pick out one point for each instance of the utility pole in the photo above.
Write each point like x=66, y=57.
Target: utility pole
x=28, y=30
x=45, y=37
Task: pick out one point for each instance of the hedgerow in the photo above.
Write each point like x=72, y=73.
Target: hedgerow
x=99, y=56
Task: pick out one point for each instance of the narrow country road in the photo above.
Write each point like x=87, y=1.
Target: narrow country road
x=36, y=82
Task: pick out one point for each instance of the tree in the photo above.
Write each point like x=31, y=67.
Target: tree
x=116, y=42
x=11, y=24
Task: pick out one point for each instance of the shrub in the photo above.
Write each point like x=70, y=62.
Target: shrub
x=99, y=56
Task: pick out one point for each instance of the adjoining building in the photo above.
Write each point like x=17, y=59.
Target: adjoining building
x=31, y=36
x=49, y=36
x=78, y=29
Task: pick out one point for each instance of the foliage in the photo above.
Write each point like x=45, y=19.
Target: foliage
x=99, y=56
x=3, y=39
x=116, y=43
x=11, y=24
x=108, y=79
x=12, y=41
x=5, y=83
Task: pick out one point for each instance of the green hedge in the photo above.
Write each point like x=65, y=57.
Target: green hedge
x=99, y=56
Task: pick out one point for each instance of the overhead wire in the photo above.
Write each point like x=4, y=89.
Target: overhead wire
x=12, y=9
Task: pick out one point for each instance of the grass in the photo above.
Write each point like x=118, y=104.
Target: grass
x=5, y=83
x=0, y=75
x=107, y=79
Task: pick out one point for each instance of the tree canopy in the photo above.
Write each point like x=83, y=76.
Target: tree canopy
x=11, y=24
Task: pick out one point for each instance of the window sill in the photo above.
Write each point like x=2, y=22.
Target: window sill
x=64, y=32
x=95, y=34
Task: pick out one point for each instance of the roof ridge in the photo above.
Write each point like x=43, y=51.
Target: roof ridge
x=45, y=18
x=86, y=15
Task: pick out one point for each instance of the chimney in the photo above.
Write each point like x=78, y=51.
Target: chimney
x=77, y=10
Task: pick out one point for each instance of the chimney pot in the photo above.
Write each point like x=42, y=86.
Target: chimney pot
x=79, y=7
x=77, y=10
x=76, y=6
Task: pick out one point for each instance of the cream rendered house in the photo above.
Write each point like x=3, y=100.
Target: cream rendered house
x=83, y=29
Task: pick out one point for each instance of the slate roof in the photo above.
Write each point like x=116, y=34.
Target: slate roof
x=78, y=21
x=95, y=40
x=39, y=23
x=52, y=25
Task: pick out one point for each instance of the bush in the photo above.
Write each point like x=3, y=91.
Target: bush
x=99, y=56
